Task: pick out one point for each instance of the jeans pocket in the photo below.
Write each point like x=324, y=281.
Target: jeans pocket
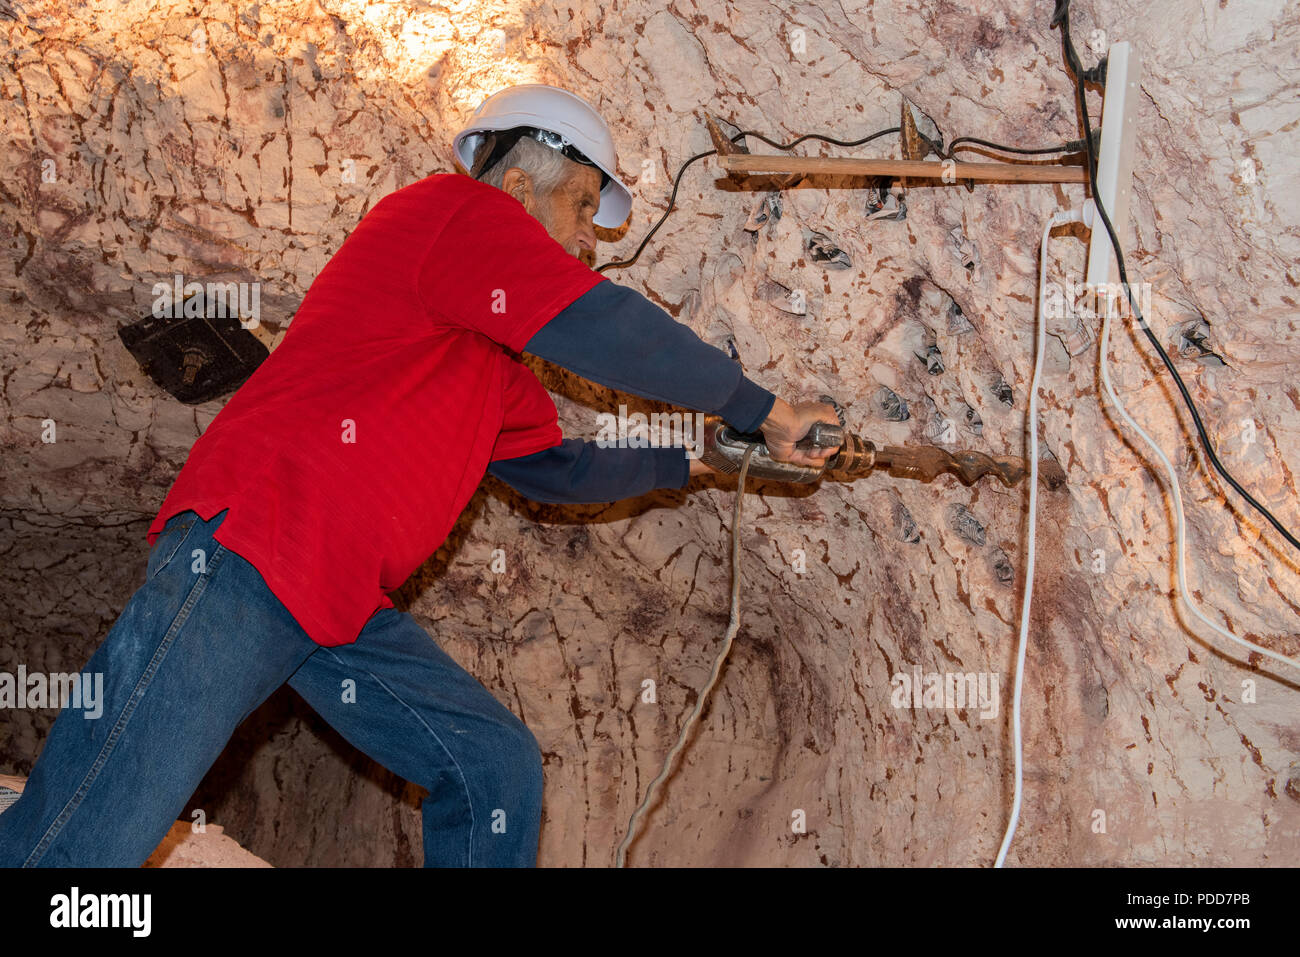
x=169, y=542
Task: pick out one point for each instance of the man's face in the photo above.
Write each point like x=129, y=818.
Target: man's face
x=567, y=213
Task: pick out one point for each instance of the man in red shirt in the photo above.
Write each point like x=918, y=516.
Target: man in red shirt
x=341, y=465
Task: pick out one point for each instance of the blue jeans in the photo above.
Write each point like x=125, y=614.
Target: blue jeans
x=204, y=642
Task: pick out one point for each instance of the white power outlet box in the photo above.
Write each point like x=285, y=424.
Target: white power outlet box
x=1115, y=160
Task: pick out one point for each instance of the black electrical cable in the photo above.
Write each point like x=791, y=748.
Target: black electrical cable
x=672, y=200
x=1074, y=146
x=1061, y=18
x=677, y=180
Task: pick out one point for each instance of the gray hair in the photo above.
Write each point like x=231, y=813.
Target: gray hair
x=547, y=167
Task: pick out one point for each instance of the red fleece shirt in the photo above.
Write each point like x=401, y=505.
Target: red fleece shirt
x=347, y=456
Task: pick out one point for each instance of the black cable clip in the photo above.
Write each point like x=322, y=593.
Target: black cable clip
x=1097, y=75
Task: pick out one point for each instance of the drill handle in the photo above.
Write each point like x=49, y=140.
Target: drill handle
x=822, y=435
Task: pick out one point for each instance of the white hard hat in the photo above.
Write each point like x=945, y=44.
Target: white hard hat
x=574, y=128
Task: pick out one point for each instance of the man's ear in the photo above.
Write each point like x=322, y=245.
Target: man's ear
x=520, y=185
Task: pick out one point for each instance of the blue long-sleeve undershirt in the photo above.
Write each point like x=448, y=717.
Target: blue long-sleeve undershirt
x=614, y=336
x=577, y=471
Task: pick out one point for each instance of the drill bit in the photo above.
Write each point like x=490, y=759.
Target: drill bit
x=926, y=462
x=859, y=456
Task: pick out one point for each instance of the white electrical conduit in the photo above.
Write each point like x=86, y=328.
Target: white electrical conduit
x=1085, y=215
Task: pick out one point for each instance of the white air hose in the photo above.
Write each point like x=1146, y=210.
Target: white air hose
x=1179, y=523
x=1072, y=216
x=732, y=627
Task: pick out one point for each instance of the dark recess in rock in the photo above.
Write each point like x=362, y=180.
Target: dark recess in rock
x=891, y=405
x=766, y=212
x=1003, y=392
x=932, y=358
x=1002, y=567
x=823, y=250
x=958, y=324
x=966, y=525
x=904, y=525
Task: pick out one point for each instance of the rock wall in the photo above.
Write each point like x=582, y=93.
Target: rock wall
x=239, y=142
